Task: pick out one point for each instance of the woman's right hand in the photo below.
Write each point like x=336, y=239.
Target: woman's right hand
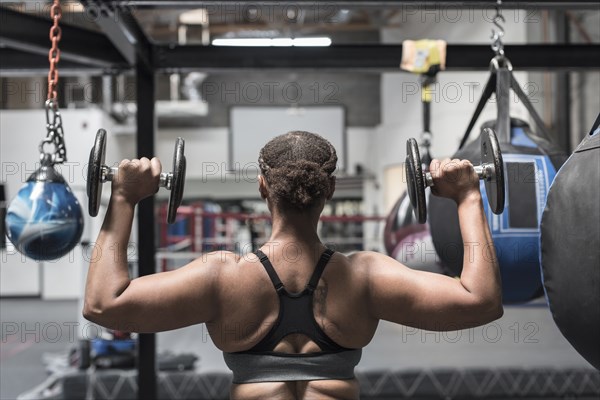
x=137, y=179
x=455, y=179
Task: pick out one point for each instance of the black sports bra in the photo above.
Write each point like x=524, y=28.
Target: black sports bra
x=262, y=364
x=295, y=310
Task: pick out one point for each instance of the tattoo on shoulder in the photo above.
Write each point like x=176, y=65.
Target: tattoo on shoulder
x=321, y=297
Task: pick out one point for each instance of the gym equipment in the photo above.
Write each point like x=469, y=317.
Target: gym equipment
x=98, y=173
x=500, y=82
x=530, y=163
x=399, y=217
x=105, y=353
x=408, y=241
x=44, y=220
x=491, y=171
x=426, y=58
x=570, y=248
x=2, y=216
x=423, y=56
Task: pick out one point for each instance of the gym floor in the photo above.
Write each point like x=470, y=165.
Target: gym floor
x=525, y=337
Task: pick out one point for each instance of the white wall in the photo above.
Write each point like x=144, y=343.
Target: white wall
x=19, y=275
x=20, y=133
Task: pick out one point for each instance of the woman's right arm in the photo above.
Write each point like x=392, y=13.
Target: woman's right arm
x=436, y=302
x=151, y=303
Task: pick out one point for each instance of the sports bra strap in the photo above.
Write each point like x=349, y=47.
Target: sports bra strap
x=314, y=279
x=270, y=270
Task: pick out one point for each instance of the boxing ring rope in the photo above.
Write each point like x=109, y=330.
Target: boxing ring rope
x=242, y=232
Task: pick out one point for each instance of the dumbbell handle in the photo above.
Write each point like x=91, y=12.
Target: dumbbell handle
x=108, y=174
x=483, y=171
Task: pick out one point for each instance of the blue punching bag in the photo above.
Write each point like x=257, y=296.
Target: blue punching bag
x=530, y=164
x=44, y=220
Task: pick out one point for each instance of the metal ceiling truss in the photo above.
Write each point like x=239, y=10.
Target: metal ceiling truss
x=464, y=4
x=29, y=34
x=122, y=29
x=17, y=63
x=124, y=45
x=379, y=58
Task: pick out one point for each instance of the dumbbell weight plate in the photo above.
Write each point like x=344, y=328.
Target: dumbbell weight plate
x=94, y=174
x=178, y=180
x=491, y=154
x=415, y=180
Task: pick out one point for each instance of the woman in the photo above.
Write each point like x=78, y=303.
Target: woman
x=291, y=318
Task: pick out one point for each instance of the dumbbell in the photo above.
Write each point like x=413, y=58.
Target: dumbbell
x=491, y=171
x=98, y=173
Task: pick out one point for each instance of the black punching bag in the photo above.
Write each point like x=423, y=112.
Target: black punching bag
x=2, y=217
x=530, y=164
x=570, y=242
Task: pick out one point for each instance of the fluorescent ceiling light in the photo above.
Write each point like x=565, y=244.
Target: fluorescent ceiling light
x=283, y=42
x=241, y=42
x=286, y=42
x=315, y=41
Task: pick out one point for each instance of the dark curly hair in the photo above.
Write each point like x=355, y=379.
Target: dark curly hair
x=297, y=167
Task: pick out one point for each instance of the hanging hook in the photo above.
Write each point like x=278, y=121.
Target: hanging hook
x=498, y=34
x=54, y=136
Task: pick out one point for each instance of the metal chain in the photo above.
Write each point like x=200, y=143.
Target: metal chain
x=55, y=133
x=497, y=35
x=54, y=53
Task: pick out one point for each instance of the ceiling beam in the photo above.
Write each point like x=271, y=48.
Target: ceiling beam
x=122, y=29
x=28, y=33
x=16, y=63
x=475, y=4
x=377, y=58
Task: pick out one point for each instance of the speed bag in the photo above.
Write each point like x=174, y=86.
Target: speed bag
x=530, y=164
x=408, y=241
x=570, y=242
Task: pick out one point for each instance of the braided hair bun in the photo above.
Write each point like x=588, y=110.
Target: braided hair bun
x=297, y=167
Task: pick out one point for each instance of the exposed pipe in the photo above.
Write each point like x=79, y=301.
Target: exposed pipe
x=562, y=94
x=174, y=81
x=546, y=76
x=581, y=83
x=580, y=28
x=107, y=93
x=191, y=85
